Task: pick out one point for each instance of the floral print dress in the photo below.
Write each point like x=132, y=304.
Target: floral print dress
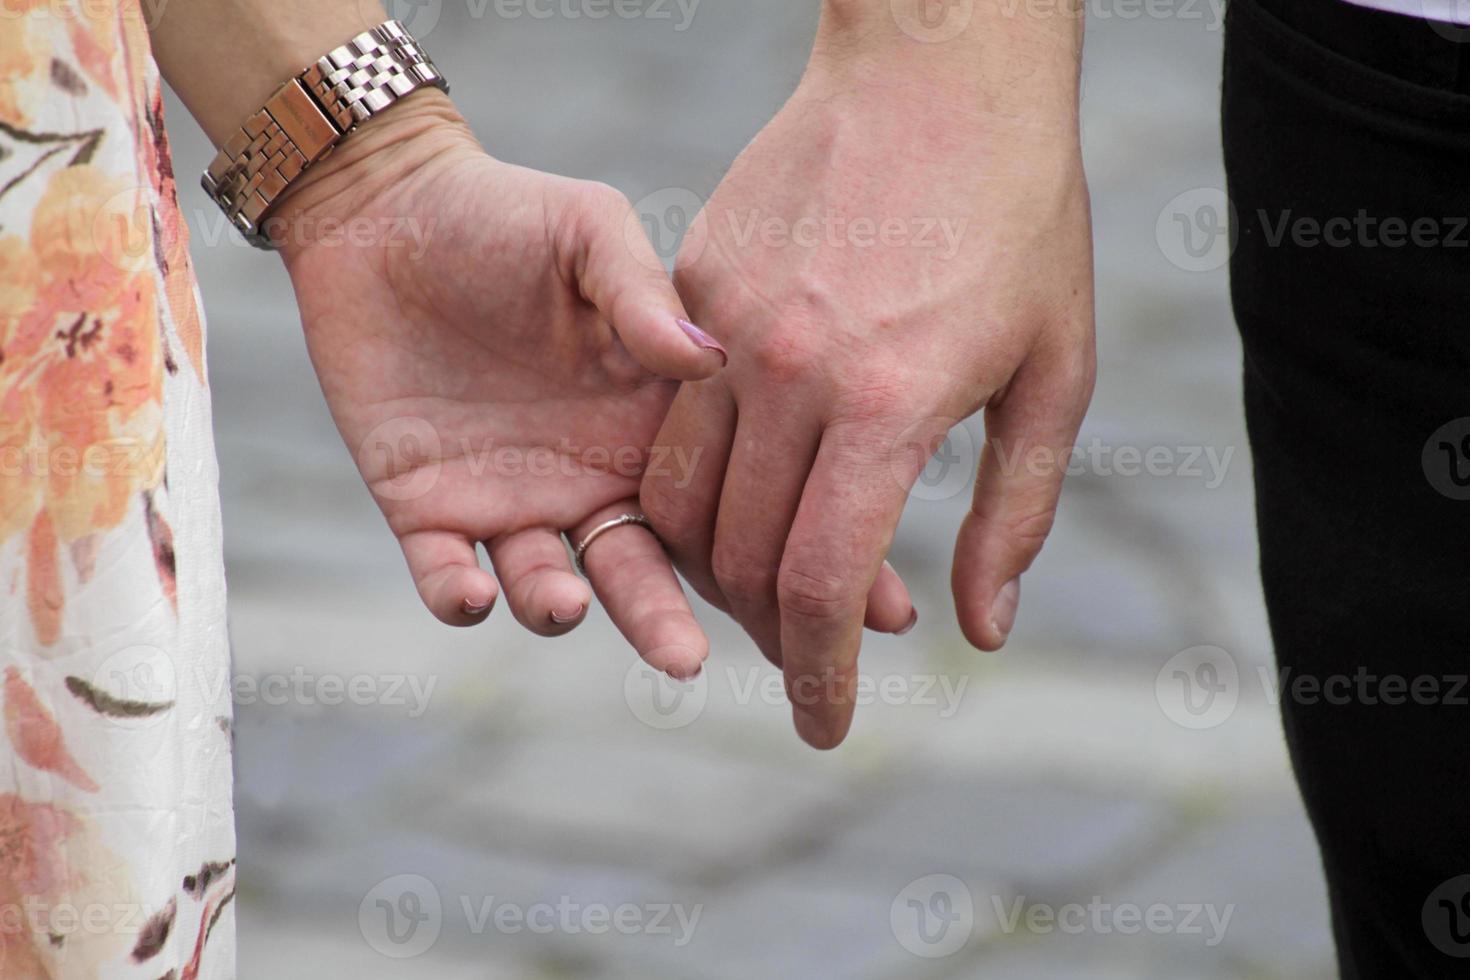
x=116, y=831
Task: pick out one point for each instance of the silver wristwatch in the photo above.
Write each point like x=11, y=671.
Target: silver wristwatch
x=310, y=115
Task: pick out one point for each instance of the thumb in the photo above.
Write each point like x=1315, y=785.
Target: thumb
x=1029, y=436
x=621, y=275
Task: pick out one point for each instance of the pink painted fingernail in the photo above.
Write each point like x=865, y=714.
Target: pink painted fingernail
x=561, y=618
x=1003, y=611
x=909, y=626
x=703, y=340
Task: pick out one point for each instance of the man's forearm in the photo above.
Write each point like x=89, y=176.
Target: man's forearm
x=226, y=57
x=986, y=60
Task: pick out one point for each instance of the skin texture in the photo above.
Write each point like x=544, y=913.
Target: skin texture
x=500, y=383
x=851, y=354
x=534, y=323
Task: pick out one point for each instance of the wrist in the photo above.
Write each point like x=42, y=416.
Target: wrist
x=987, y=61
x=423, y=132
x=225, y=57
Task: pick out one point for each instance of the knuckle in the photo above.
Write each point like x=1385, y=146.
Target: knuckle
x=786, y=358
x=744, y=582
x=670, y=509
x=813, y=594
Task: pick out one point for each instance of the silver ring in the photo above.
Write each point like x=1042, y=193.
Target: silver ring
x=580, y=554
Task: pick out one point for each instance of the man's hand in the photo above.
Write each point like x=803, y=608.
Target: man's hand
x=493, y=344
x=906, y=243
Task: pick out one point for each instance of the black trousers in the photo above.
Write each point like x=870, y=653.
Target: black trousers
x=1347, y=149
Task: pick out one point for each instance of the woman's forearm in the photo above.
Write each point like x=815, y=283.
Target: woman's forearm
x=226, y=57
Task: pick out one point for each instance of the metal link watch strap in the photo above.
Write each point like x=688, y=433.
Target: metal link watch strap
x=310, y=115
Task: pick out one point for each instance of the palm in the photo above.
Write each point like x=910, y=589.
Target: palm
x=485, y=396
x=477, y=402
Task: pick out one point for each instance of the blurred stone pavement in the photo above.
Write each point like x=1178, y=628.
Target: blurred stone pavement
x=538, y=791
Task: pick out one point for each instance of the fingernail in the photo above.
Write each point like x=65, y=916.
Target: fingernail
x=1003, y=612
x=703, y=340
x=473, y=608
x=909, y=626
x=561, y=618
x=692, y=675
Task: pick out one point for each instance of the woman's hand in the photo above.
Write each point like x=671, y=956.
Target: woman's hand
x=494, y=344
x=907, y=242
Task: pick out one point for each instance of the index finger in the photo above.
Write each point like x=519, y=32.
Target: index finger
x=844, y=527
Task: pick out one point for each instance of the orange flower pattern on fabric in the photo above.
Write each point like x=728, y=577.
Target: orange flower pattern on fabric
x=115, y=791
